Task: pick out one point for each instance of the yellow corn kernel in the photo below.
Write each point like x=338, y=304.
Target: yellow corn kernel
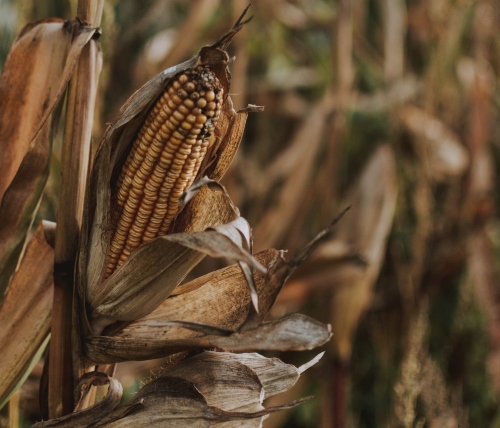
x=163, y=161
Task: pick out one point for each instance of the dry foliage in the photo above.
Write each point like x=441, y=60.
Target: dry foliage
x=387, y=107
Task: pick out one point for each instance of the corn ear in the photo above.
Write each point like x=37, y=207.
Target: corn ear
x=164, y=160
x=110, y=192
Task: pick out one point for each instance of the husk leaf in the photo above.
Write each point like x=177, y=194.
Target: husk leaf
x=274, y=376
x=175, y=402
x=220, y=299
x=89, y=417
x=157, y=267
x=293, y=333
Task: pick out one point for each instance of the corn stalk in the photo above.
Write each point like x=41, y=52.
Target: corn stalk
x=75, y=163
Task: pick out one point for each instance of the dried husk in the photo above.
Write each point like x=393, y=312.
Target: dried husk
x=175, y=402
x=210, y=389
x=157, y=267
x=35, y=75
x=217, y=310
x=26, y=312
x=220, y=299
x=295, y=332
x=274, y=375
x=89, y=417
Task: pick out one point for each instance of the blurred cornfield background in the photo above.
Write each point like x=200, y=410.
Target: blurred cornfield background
x=390, y=107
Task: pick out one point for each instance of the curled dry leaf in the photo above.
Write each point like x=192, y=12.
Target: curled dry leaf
x=222, y=378
x=295, y=332
x=26, y=312
x=89, y=417
x=175, y=402
x=209, y=389
x=35, y=75
x=220, y=299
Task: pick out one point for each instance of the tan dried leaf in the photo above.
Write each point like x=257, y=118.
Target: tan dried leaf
x=366, y=228
x=157, y=267
x=175, y=402
x=224, y=377
x=293, y=333
x=26, y=313
x=35, y=75
x=211, y=389
x=210, y=310
x=220, y=299
x=93, y=415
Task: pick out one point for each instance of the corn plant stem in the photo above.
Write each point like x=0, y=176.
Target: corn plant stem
x=14, y=410
x=75, y=164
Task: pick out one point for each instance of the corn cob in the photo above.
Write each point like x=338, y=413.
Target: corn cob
x=164, y=160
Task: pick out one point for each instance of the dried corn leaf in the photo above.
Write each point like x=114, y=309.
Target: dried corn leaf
x=273, y=374
x=37, y=70
x=229, y=134
x=26, y=313
x=218, y=302
x=89, y=417
x=210, y=389
x=206, y=204
x=366, y=228
x=293, y=333
x=175, y=402
x=222, y=380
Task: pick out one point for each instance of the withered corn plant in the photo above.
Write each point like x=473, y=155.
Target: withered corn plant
x=106, y=280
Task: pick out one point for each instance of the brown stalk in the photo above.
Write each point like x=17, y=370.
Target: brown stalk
x=75, y=163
